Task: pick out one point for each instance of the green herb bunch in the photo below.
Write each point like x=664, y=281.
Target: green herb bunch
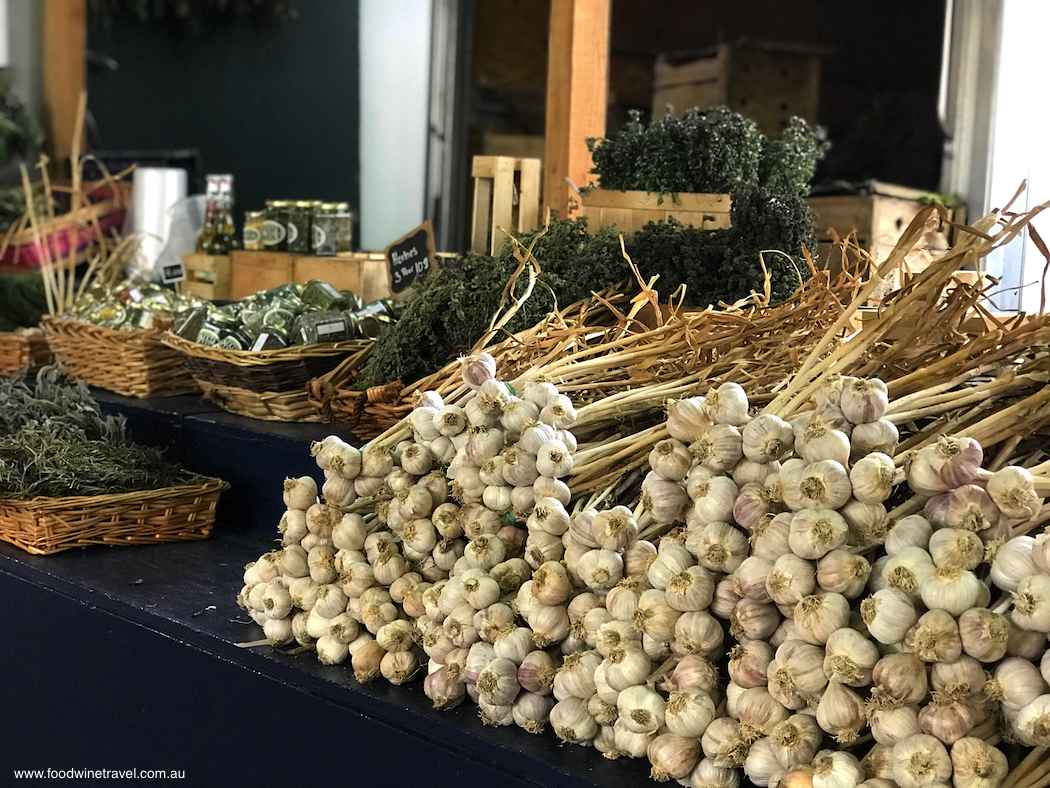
x=54, y=441
x=715, y=151
x=22, y=301
x=451, y=311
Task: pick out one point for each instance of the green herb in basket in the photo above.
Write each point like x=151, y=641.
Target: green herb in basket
x=54, y=441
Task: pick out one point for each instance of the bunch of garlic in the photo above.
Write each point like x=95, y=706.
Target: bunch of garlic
x=296, y=593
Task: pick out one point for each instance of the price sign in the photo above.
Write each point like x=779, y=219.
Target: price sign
x=411, y=259
x=170, y=274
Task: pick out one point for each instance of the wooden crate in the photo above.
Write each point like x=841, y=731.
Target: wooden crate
x=879, y=218
x=768, y=82
x=363, y=272
x=506, y=195
x=631, y=211
x=207, y=276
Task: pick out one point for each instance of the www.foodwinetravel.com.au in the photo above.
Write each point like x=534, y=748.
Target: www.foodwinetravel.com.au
x=100, y=774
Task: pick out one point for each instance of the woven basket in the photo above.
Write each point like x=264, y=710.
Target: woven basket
x=172, y=514
x=131, y=363
x=26, y=347
x=266, y=384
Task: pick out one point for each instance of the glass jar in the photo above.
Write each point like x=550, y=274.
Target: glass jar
x=275, y=234
x=344, y=228
x=329, y=326
x=254, y=224
x=325, y=230
x=298, y=227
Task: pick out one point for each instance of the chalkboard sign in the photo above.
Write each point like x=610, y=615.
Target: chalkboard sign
x=411, y=259
x=172, y=273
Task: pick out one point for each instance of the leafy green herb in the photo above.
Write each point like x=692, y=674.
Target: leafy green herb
x=54, y=441
x=22, y=301
x=717, y=151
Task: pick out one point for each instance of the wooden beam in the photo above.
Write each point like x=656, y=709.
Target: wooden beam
x=577, y=89
x=64, y=71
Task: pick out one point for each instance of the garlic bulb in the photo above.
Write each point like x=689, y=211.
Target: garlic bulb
x=985, y=635
x=900, y=677
x=766, y=438
x=670, y=460
x=718, y=448
x=873, y=437
x=871, y=478
x=976, y=764
x=909, y=571
x=713, y=498
x=791, y=579
x=888, y=614
x=951, y=588
x=1017, y=683
x=770, y=537
x=816, y=532
x=687, y=418
x=850, y=658
x=641, y=709
x=559, y=412
x=718, y=546
x=948, y=720
x=840, y=712
x=1031, y=609
x=614, y=529
x=761, y=765
x=688, y=712
x=945, y=465
x=723, y=743
x=625, y=668
x=911, y=531
x=843, y=572
x=819, y=615
x=300, y=493
x=920, y=760
x=795, y=741
x=824, y=485
x=663, y=499
x=1033, y=722
x=863, y=400
x=891, y=724
x=796, y=674
x=690, y=590
x=673, y=757
x=1013, y=562
x=935, y=637
x=833, y=769
x=1013, y=491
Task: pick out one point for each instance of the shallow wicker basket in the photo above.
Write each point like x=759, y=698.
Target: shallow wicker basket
x=266, y=384
x=26, y=347
x=172, y=514
x=131, y=363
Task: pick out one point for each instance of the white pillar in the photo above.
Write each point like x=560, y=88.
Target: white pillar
x=395, y=105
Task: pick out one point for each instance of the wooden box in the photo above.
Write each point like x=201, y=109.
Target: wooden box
x=363, y=272
x=879, y=218
x=207, y=276
x=769, y=83
x=631, y=211
x=506, y=198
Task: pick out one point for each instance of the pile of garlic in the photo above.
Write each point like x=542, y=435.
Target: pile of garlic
x=462, y=551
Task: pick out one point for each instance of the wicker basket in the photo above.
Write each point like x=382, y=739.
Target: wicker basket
x=172, y=514
x=266, y=384
x=131, y=363
x=26, y=347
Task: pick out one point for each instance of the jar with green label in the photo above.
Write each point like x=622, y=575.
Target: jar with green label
x=254, y=225
x=275, y=233
x=298, y=227
x=344, y=228
x=325, y=229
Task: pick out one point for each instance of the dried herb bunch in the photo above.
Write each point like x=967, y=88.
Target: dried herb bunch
x=716, y=151
x=54, y=441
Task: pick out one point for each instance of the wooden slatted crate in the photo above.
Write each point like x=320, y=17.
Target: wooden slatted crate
x=631, y=211
x=507, y=196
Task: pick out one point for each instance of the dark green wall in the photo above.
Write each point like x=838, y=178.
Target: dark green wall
x=276, y=106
